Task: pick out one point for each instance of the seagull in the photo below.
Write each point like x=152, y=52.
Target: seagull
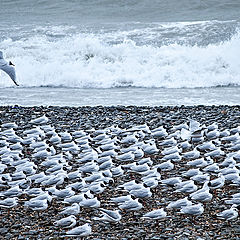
x=227, y=162
x=192, y=172
x=12, y=192
x=41, y=120
x=90, y=203
x=172, y=181
x=229, y=214
x=142, y=192
x=236, y=195
x=151, y=182
x=179, y=203
x=8, y=202
x=8, y=68
x=165, y=166
x=192, y=154
x=37, y=205
x=171, y=150
x=215, y=153
x=139, y=167
x=212, y=168
x=196, y=209
x=117, y=171
x=66, y=222
x=9, y=125
x=71, y=210
x=145, y=160
x=75, y=198
x=150, y=148
x=103, y=159
x=43, y=196
x=106, y=165
x=173, y=156
x=122, y=199
x=169, y=142
x=33, y=192
x=229, y=170
x=234, y=200
x=134, y=184
x=218, y=182
x=131, y=205
x=64, y=193
x=155, y=214
x=202, y=196
x=128, y=156
x=109, y=215
x=200, y=178
x=213, y=134
x=97, y=187
x=80, y=231
x=185, y=145
x=153, y=173
x=200, y=162
x=207, y=146
x=194, y=125
x=159, y=133
x=187, y=188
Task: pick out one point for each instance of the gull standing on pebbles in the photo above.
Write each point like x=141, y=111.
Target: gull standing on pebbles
x=66, y=222
x=37, y=204
x=192, y=154
x=155, y=214
x=203, y=196
x=131, y=205
x=8, y=202
x=180, y=203
x=187, y=188
x=144, y=192
x=8, y=68
x=41, y=120
x=218, y=182
x=71, y=210
x=122, y=199
x=234, y=200
x=196, y=209
x=172, y=181
x=90, y=203
x=109, y=215
x=81, y=231
x=165, y=166
x=229, y=214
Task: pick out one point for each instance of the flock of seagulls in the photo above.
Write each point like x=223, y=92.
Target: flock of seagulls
x=76, y=167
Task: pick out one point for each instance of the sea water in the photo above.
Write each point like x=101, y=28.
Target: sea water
x=121, y=52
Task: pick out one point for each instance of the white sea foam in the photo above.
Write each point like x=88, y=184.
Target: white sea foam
x=90, y=60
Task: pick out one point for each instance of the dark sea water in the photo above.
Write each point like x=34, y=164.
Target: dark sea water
x=121, y=52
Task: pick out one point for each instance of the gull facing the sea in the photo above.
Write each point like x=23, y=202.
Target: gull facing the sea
x=8, y=67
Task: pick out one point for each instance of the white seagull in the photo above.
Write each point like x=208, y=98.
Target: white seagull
x=196, y=209
x=155, y=214
x=109, y=215
x=66, y=222
x=8, y=67
x=229, y=214
x=80, y=231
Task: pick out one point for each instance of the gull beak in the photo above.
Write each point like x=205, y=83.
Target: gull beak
x=10, y=63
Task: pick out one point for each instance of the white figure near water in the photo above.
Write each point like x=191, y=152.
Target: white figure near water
x=8, y=67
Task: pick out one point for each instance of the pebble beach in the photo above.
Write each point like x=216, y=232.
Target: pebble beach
x=20, y=222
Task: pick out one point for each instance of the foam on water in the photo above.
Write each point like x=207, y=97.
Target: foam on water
x=102, y=60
